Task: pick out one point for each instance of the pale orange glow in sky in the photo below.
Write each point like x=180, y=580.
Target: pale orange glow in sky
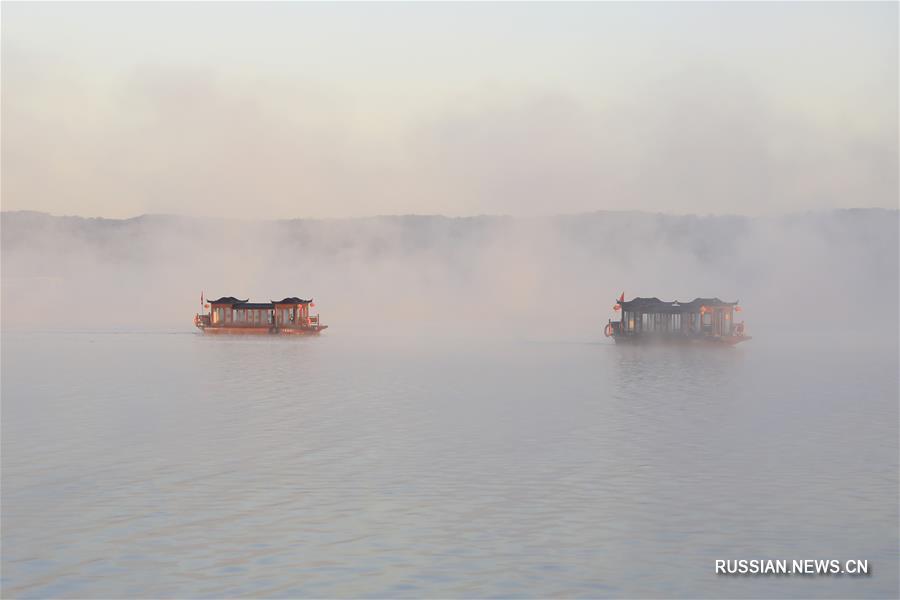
x=334, y=110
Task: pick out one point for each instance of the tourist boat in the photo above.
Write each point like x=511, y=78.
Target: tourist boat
x=289, y=316
x=703, y=320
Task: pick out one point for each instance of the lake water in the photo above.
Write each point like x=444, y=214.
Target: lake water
x=177, y=465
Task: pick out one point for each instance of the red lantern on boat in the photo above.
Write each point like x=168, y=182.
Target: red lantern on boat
x=617, y=308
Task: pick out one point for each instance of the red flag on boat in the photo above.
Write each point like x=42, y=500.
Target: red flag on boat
x=622, y=297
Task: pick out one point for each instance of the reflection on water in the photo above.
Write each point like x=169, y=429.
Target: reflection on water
x=176, y=465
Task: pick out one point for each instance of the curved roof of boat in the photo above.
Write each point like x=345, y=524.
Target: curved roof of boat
x=228, y=300
x=656, y=305
x=247, y=304
x=291, y=300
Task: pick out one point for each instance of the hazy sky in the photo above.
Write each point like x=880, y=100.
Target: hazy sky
x=335, y=110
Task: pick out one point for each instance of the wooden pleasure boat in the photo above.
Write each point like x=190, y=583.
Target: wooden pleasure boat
x=702, y=320
x=289, y=316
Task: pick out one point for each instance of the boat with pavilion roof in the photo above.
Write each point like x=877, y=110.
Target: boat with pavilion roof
x=289, y=316
x=705, y=320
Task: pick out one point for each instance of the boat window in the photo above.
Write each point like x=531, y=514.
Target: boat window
x=707, y=318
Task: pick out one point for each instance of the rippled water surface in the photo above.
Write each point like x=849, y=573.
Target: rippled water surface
x=163, y=465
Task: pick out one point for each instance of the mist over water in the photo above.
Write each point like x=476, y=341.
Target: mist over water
x=463, y=429
x=546, y=278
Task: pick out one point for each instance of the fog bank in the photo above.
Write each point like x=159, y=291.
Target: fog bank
x=535, y=278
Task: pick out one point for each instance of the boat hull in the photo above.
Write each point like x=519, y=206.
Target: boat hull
x=730, y=340
x=316, y=330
